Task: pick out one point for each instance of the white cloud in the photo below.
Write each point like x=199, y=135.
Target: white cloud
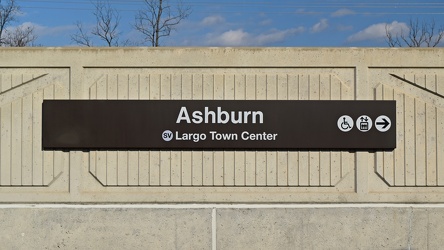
x=41, y=30
x=377, y=31
x=240, y=37
x=231, y=38
x=277, y=35
x=212, y=20
x=342, y=12
x=320, y=26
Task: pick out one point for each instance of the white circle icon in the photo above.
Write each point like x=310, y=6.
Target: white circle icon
x=383, y=123
x=345, y=123
x=364, y=123
x=167, y=135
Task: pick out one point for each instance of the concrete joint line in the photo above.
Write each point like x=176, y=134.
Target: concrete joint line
x=213, y=229
x=218, y=206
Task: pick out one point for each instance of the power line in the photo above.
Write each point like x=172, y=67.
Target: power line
x=350, y=4
x=271, y=7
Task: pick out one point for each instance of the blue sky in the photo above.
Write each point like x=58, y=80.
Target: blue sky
x=346, y=23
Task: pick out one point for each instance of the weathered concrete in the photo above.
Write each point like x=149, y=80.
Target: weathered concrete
x=221, y=226
x=271, y=183
x=414, y=172
x=105, y=228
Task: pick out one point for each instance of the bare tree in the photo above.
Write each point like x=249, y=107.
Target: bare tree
x=8, y=13
x=158, y=18
x=424, y=34
x=20, y=37
x=81, y=37
x=106, y=27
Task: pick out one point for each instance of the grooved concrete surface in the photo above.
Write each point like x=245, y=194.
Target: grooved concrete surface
x=353, y=183
x=413, y=172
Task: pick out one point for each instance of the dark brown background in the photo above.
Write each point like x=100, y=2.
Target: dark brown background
x=138, y=125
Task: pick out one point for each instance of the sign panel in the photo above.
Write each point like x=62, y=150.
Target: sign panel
x=218, y=125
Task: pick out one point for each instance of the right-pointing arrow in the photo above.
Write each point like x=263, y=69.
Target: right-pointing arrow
x=383, y=123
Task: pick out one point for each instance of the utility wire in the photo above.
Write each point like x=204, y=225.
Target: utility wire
x=271, y=7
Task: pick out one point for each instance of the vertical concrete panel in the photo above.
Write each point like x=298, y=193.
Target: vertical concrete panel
x=5, y=145
x=16, y=143
x=208, y=168
x=271, y=169
x=197, y=168
x=112, y=93
x=239, y=157
x=23, y=163
x=261, y=157
x=400, y=177
x=165, y=156
x=176, y=156
x=101, y=160
x=27, y=145
x=144, y=156
x=420, y=143
x=282, y=157
x=250, y=168
x=410, y=138
x=207, y=157
x=112, y=161
x=218, y=163
x=324, y=157
x=133, y=157
x=144, y=171
x=37, y=156
x=293, y=169
x=250, y=157
x=430, y=145
x=282, y=168
x=261, y=168
x=229, y=160
x=48, y=156
x=187, y=94
x=440, y=145
x=239, y=173
x=293, y=157
x=133, y=168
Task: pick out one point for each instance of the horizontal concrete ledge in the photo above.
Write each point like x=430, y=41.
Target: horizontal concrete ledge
x=221, y=206
x=219, y=226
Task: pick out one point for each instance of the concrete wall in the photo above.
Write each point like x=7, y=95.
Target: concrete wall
x=272, y=183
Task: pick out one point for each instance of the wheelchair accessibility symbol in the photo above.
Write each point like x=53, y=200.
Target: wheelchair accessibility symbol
x=345, y=123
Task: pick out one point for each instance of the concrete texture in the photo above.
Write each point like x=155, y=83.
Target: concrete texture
x=114, y=228
x=412, y=173
x=221, y=227
x=330, y=228
x=318, y=228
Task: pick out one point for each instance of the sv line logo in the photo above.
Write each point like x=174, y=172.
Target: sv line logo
x=167, y=135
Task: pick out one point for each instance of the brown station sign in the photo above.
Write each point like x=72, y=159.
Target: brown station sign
x=218, y=125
